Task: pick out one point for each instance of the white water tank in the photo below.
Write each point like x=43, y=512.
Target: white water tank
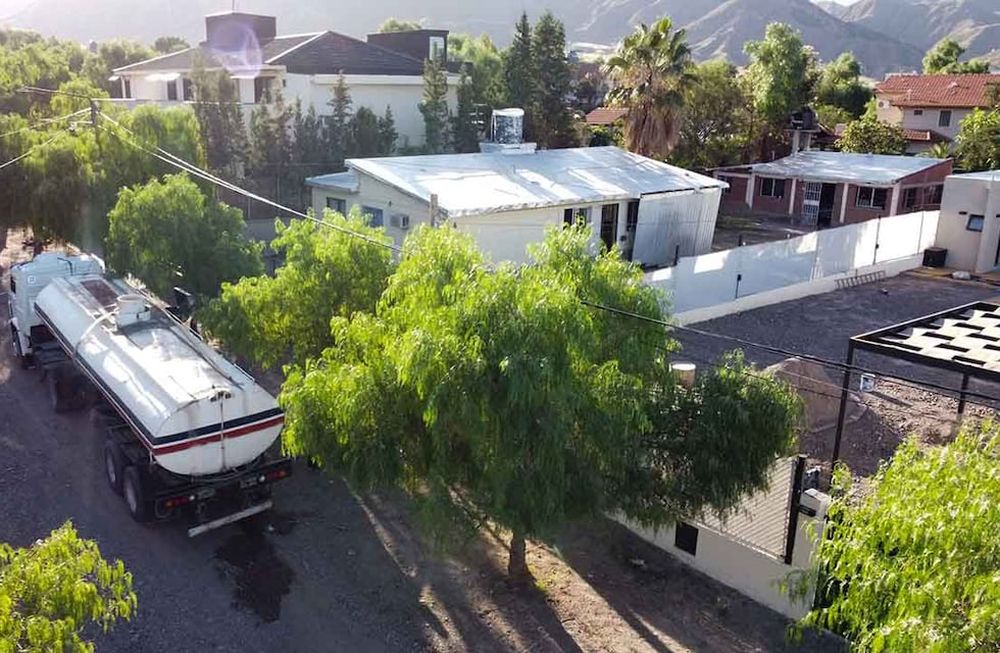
x=131, y=309
x=507, y=133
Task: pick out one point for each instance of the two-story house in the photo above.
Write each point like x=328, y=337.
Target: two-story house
x=930, y=108
x=385, y=70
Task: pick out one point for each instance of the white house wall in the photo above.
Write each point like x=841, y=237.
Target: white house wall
x=961, y=198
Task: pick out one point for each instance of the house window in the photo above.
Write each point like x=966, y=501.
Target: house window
x=772, y=187
x=932, y=194
x=871, y=198
x=337, y=204
x=261, y=89
x=574, y=215
x=686, y=538
x=918, y=112
x=188, y=89
x=609, y=224
x=975, y=222
x=436, y=49
x=909, y=198
x=632, y=216
x=944, y=119
x=128, y=87
x=374, y=215
x=172, y=90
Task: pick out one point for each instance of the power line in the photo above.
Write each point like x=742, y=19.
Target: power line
x=188, y=167
x=788, y=354
x=27, y=152
x=44, y=122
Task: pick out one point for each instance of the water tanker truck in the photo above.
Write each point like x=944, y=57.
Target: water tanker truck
x=188, y=431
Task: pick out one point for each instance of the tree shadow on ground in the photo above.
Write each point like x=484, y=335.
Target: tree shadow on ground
x=667, y=602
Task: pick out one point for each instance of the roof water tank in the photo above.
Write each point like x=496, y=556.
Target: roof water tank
x=508, y=126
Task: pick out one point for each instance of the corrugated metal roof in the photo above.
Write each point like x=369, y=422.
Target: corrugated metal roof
x=344, y=181
x=986, y=175
x=846, y=167
x=958, y=91
x=470, y=184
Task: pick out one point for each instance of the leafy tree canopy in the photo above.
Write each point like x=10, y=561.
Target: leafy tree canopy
x=911, y=565
x=496, y=394
x=111, y=55
x=650, y=75
x=167, y=233
x=327, y=273
x=715, y=124
x=400, y=25
x=168, y=44
x=840, y=85
x=979, y=141
x=944, y=57
x=872, y=136
x=52, y=591
x=486, y=66
x=554, y=124
x=434, y=108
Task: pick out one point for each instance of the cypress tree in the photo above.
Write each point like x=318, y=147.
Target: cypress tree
x=336, y=136
x=553, y=120
x=435, y=108
x=465, y=129
x=387, y=133
x=519, y=72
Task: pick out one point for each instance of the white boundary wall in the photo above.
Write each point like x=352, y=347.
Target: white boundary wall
x=708, y=286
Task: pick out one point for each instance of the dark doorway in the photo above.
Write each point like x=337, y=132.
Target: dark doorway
x=609, y=224
x=826, y=200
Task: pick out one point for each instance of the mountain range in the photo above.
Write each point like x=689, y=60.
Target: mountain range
x=886, y=35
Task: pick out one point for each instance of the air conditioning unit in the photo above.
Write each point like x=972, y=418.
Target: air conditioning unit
x=399, y=220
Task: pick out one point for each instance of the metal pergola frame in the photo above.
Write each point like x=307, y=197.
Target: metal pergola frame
x=892, y=341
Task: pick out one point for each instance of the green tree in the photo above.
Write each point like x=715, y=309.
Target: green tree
x=872, y=136
x=220, y=119
x=327, y=273
x=28, y=60
x=485, y=69
x=169, y=44
x=387, y=134
x=978, y=141
x=167, y=233
x=911, y=563
x=366, y=139
x=840, y=85
x=270, y=151
x=464, y=127
x=713, y=128
x=336, y=126
x=944, y=57
x=399, y=25
x=554, y=122
x=831, y=116
x=650, y=74
x=520, y=74
x=780, y=79
x=111, y=55
x=496, y=395
x=51, y=593
x=434, y=108
x=307, y=156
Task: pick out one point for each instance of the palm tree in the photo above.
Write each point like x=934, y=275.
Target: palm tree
x=939, y=151
x=650, y=73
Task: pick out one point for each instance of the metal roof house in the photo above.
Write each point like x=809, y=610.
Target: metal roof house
x=969, y=225
x=385, y=70
x=652, y=211
x=830, y=188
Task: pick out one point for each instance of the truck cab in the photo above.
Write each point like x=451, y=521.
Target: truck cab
x=29, y=278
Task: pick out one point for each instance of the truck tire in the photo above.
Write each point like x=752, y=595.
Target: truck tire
x=16, y=342
x=133, y=491
x=114, y=465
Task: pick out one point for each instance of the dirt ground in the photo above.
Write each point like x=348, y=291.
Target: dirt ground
x=729, y=230
x=327, y=570
x=821, y=326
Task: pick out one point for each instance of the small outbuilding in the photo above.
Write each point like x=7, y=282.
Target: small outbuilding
x=969, y=225
x=831, y=188
x=507, y=198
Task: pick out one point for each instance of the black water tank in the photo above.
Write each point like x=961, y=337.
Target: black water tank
x=934, y=257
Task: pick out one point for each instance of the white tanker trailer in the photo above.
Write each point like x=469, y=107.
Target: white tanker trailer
x=193, y=430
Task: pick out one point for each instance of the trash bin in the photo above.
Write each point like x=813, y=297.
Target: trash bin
x=934, y=257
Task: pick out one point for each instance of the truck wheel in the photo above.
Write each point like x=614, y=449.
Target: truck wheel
x=16, y=342
x=135, y=499
x=114, y=465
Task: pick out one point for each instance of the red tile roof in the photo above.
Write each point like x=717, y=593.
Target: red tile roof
x=924, y=136
x=605, y=115
x=959, y=91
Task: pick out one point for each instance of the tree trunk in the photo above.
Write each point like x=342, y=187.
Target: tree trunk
x=517, y=564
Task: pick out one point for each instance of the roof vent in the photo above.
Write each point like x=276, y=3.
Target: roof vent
x=132, y=309
x=507, y=133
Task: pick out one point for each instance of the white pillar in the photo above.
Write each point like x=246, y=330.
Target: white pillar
x=751, y=183
x=791, y=200
x=897, y=191
x=843, y=202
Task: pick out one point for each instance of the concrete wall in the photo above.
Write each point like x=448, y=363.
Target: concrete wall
x=748, y=570
x=973, y=251
x=722, y=278
x=929, y=120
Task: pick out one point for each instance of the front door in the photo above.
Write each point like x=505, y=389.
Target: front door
x=810, y=202
x=827, y=198
x=609, y=225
